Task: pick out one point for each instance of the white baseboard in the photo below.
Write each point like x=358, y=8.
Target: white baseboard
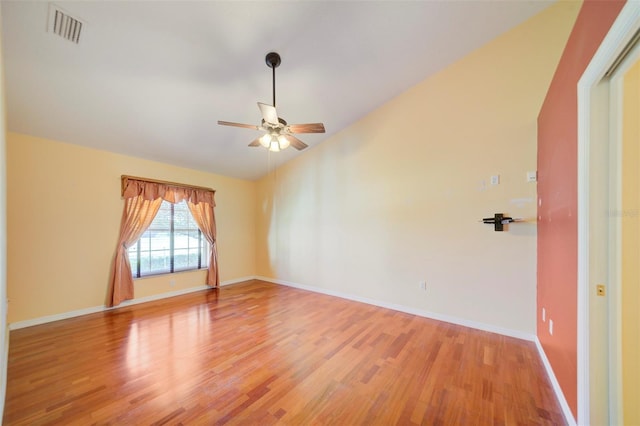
x=409, y=310
x=568, y=415
x=65, y=315
x=401, y=308
x=237, y=280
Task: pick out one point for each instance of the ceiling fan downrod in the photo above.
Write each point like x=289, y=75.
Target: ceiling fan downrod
x=273, y=61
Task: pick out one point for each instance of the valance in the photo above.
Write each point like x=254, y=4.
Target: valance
x=169, y=191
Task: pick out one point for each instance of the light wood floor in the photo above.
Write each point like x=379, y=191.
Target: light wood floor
x=259, y=353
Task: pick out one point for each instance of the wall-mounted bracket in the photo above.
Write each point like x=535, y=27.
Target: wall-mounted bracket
x=498, y=221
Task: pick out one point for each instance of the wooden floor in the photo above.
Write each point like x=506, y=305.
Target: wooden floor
x=258, y=353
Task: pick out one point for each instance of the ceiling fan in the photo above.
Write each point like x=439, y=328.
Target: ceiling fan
x=278, y=134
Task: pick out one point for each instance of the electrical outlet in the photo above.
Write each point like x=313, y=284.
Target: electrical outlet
x=423, y=285
x=495, y=180
x=172, y=283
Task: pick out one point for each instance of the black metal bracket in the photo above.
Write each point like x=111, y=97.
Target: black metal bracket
x=498, y=221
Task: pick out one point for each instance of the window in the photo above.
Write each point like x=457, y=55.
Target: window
x=172, y=243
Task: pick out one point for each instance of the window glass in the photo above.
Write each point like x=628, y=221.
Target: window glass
x=172, y=243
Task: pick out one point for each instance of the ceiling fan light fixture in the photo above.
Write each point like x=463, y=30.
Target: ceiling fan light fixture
x=283, y=142
x=275, y=146
x=265, y=140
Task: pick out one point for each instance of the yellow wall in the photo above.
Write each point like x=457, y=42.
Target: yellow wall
x=396, y=198
x=63, y=215
x=631, y=246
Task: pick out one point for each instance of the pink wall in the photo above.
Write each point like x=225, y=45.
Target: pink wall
x=558, y=196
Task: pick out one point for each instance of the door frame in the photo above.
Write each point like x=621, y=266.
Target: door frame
x=622, y=30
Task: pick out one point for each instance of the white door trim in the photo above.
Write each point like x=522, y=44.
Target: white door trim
x=625, y=26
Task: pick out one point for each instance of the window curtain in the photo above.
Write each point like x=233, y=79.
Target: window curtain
x=203, y=215
x=137, y=216
x=142, y=202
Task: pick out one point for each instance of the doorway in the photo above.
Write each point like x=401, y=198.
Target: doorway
x=625, y=107
x=608, y=194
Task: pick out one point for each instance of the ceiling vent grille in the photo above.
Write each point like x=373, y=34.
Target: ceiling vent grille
x=64, y=25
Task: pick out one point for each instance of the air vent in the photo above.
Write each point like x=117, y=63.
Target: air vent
x=64, y=25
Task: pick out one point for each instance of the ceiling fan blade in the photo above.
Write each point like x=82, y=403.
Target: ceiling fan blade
x=307, y=128
x=269, y=113
x=255, y=142
x=246, y=126
x=296, y=143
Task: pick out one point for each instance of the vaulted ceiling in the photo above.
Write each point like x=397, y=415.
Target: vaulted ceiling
x=151, y=79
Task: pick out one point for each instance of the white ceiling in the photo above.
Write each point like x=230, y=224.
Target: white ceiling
x=151, y=79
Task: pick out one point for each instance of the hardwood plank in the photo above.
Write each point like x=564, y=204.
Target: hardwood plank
x=259, y=353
